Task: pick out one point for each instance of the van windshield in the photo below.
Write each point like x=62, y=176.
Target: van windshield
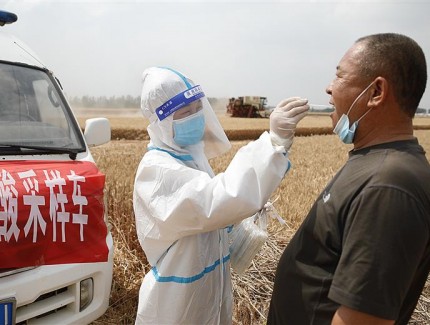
x=33, y=114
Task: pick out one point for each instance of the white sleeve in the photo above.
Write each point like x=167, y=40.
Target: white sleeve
x=172, y=200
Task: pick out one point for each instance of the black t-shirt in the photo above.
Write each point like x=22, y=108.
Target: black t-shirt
x=364, y=244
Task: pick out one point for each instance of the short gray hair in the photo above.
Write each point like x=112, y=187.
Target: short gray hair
x=401, y=61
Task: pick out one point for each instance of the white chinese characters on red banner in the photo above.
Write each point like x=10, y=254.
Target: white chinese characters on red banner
x=51, y=213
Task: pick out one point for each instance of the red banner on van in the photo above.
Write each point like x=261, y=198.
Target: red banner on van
x=51, y=212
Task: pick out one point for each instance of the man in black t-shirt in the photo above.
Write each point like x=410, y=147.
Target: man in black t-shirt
x=362, y=255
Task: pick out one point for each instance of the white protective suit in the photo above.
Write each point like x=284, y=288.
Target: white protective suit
x=183, y=212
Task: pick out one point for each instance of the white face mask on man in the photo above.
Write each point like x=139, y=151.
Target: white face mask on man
x=345, y=132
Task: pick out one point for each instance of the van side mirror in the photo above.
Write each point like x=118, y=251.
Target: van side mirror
x=97, y=131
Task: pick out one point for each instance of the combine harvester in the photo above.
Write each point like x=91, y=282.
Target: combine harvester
x=249, y=106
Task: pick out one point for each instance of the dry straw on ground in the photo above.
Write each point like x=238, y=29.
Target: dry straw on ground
x=315, y=159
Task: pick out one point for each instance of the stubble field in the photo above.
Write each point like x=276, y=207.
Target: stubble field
x=315, y=159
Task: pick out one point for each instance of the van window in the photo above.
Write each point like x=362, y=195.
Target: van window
x=32, y=113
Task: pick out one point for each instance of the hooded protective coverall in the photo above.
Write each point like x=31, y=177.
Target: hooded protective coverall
x=183, y=211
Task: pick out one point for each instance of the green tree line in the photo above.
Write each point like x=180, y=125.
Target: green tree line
x=109, y=102
x=105, y=102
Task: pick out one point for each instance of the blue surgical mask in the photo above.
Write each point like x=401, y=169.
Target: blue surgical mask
x=345, y=132
x=189, y=130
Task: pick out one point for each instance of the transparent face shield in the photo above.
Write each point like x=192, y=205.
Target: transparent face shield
x=161, y=129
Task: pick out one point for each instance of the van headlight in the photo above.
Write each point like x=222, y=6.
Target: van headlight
x=86, y=293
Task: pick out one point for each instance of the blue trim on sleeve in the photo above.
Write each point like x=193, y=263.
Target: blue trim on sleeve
x=289, y=166
x=180, y=157
x=190, y=279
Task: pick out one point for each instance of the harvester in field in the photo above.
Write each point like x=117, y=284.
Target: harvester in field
x=248, y=106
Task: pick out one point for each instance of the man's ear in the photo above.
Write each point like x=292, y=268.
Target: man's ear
x=378, y=93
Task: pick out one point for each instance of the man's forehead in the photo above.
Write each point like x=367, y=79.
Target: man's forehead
x=351, y=58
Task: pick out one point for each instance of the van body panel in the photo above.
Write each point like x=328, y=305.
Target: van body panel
x=36, y=124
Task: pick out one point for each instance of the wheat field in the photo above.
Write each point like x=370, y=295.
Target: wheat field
x=314, y=159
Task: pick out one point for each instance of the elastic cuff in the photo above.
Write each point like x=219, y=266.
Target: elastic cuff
x=278, y=141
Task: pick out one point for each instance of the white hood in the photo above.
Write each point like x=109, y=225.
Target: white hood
x=159, y=86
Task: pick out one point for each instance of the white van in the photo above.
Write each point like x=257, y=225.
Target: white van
x=56, y=250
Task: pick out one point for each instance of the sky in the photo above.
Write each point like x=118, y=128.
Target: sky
x=275, y=49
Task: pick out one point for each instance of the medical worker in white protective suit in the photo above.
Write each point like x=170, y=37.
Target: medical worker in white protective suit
x=183, y=212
